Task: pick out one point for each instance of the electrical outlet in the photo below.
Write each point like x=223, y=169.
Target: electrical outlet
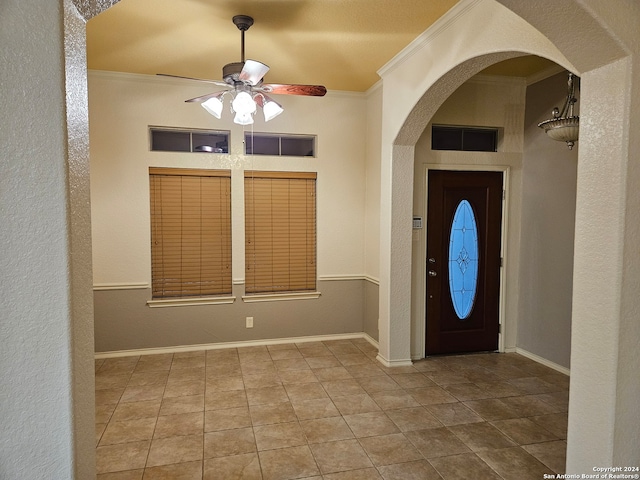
x=249, y=322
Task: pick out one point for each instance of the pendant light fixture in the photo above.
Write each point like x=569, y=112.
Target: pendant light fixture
x=564, y=126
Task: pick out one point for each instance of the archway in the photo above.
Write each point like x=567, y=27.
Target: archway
x=602, y=226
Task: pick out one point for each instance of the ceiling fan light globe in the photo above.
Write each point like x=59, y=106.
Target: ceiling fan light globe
x=243, y=119
x=243, y=104
x=271, y=110
x=213, y=106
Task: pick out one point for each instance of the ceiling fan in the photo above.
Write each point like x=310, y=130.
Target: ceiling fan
x=244, y=82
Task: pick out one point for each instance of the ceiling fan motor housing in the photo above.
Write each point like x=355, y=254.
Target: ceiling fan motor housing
x=231, y=72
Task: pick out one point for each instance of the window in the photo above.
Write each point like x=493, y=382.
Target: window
x=280, y=232
x=190, y=232
x=181, y=140
x=279, y=145
x=469, y=139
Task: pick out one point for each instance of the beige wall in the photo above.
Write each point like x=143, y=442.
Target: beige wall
x=121, y=109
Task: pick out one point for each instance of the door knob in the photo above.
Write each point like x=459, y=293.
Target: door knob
x=432, y=273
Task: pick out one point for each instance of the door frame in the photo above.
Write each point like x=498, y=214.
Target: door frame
x=420, y=303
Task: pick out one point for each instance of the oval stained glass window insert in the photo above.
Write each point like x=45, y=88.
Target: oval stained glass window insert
x=463, y=260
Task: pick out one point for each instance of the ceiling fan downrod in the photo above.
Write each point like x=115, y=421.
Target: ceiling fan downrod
x=243, y=22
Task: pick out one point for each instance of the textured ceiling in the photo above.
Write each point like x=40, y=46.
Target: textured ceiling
x=337, y=43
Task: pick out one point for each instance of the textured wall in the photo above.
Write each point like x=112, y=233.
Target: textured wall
x=548, y=222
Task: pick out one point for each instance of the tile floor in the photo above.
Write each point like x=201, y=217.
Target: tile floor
x=327, y=411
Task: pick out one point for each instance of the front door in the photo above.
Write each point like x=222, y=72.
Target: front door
x=464, y=218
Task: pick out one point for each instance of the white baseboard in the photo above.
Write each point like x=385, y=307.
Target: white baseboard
x=394, y=363
x=247, y=343
x=543, y=361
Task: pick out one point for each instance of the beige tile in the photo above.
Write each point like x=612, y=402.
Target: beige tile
x=149, y=378
x=186, y=374
x=353, y=359
x=226, y=383
x=322, y=362
x=343, y=349
x=100, y=428
x=559, y=401
x=296, y=377
x=190, y=362
x=128, y=475
x=178, y=471
x=523, y=431
x=266, y=395
x=436, y=442
x=220, y=400
x=128, y=431
x=419, y=470
x=416, y=418
x=227, y=419
x=326, y=430
x=313, y=349
x=119, y=365
x=181, y=424
x=365, y=370
x=431, y=395
x=305, y=391
x=443, y=379
x=142, y=394
x=555, y=423
x=288, y=463
x=108, y=396
x=340, y=456
x=453, y=414
x=533, y=385
x=498, y=389
x=167, y=451
x=185, y=388
x=291, y=364
x=468, y=465
x=390, y=449
x=104, y=412
x=393, y=399
x=279, y=435
x=285, y=354
x=354, y=404
x=257, y=367
x=337, y=388
x=362, y=474
x=235, y=467
x=371, y=424
x=272, y=413
x=105, y=381
x=136, y=410
x=481, y=436
x=221, y=369
x=492, y=409
x=331, y=373
x=378, y=383
x=229, y=442
x=552, y=454
x=412, y=380
x=315, y=408
x=514, y=464
x=185, y=404
x=124, y=456
x=157, y=362
x=467, y=391
x=271, y=379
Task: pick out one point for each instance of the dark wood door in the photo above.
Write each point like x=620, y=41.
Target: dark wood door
x=464, y=218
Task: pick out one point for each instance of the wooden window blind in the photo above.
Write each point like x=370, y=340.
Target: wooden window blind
x=190, y=232
x=280, y=232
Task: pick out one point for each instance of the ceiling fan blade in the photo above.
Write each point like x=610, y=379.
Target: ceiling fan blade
x=283, y=89
x=215, y=82
x=252, y=72
x=204, y=98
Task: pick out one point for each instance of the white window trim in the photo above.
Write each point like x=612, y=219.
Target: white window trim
x=276, y=297
x=184, y=302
